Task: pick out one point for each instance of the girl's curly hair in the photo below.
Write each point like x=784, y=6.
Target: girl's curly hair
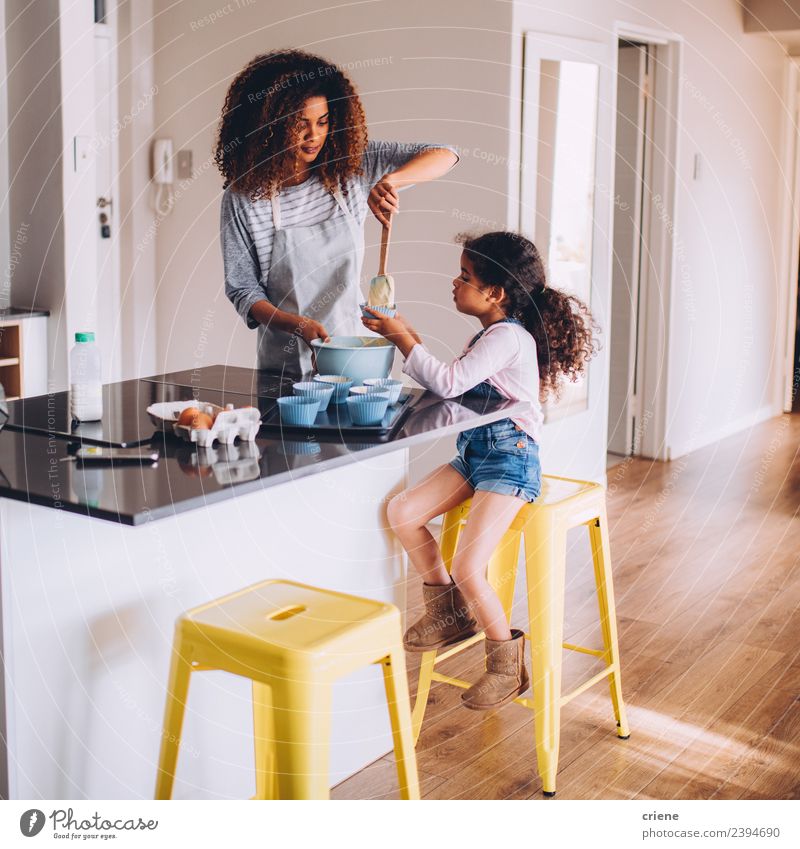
x=259, y=123
x=562, y=326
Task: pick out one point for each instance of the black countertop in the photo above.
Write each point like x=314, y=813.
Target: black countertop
x=38, y=467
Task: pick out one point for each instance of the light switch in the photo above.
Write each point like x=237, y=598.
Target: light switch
x=696, y=171
x=184, y=164
x=82, y=149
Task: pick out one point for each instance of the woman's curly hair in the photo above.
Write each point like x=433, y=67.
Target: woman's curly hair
x=259, y=123
x=562, y=326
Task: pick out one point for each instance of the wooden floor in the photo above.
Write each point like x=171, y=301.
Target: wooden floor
x=706, y=553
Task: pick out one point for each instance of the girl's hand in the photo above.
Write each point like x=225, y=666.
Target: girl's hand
x=394, y=329
x=409, y=329
x=383, y=200
x=384, y=325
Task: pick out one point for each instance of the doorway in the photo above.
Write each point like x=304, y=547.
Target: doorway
x=107, y=213
x=644, y=229
x=793, y=389
x=634, y=140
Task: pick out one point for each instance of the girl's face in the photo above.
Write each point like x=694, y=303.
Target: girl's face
x=471, y=295
x=312, y=129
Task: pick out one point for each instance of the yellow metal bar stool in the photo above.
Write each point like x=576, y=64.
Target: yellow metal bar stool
x=543, y=524
x=292, y=641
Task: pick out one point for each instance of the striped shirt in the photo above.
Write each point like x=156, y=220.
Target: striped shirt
x=247, y=231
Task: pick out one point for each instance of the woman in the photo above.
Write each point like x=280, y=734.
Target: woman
x=299, y=178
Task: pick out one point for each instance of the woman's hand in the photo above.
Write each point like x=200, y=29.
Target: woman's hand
x=395, y=329
x=308, y=330
x=383, y=200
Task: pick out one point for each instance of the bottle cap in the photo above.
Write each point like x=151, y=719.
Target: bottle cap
x=84, y=337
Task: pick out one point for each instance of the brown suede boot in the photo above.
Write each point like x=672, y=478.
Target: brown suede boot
x=446, y=620
x=505, y=678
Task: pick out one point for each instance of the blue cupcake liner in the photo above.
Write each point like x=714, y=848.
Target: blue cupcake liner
x=391, y=312
x=367, y=409
x=292, y=448
x=313, y=389
x=298, y=410
x=386, y=384
x=340, y=387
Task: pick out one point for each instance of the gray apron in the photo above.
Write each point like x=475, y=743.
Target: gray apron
x=315, y=273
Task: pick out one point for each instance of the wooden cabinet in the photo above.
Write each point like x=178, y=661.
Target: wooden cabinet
x=23, y=353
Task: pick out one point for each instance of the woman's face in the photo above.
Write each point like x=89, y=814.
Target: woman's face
x=312, y=129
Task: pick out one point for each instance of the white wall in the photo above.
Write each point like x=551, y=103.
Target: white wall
x=5, y=252
x=724, y=311
x=450, y=75
x=36, y=237
x=136, y=219
x=76, y=27
x=444, y=78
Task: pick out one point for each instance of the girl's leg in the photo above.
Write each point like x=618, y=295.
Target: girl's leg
x=411, y=510
x=489, y=518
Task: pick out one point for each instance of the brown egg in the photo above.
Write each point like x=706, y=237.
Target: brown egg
x=187, y=416
x=192, y=417
x=195, y=471
x=202, y=421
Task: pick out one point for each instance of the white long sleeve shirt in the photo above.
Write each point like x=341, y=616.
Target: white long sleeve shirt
x=505, y=355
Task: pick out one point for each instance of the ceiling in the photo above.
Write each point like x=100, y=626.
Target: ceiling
x=780, y=18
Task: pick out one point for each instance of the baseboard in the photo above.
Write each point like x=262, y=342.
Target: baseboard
x=730, y=429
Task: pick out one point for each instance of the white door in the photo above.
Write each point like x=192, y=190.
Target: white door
x=631, y=184
x=565, y=208
x=107, y=215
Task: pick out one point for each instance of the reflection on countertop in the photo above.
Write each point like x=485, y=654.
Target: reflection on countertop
x=37, y=466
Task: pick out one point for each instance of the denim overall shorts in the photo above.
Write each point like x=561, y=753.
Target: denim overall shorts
x=499, y=457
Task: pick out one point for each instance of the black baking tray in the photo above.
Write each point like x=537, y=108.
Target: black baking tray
x=336, y=421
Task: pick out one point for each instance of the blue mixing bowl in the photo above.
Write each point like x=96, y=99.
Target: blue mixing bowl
x=357, y=357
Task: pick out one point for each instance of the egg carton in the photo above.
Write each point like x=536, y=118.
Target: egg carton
x=229, y=423
x=230, y=463
x=165, y=414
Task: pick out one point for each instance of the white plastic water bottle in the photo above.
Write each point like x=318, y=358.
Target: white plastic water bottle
x=86, y=387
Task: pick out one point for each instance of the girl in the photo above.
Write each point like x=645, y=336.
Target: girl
x=532, y=338
x=299, y=177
